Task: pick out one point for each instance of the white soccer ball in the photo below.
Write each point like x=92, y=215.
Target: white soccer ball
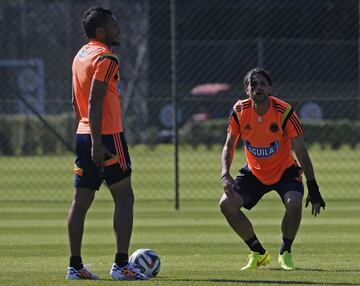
x=147, y=261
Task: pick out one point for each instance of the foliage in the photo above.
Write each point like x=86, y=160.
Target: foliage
x=325, y=133
x=26, y=135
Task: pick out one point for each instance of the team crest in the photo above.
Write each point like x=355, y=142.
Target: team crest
x=274, y=127
x=247, y=127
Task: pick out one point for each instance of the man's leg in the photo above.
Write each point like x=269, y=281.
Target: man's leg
x=239, y=222
x=292, y=217
x=290, y=225
x=123, y=197
x=82, y=200
x=230, y=207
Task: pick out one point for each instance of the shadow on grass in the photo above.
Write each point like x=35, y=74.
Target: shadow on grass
x=320, y=270
x=270, y=282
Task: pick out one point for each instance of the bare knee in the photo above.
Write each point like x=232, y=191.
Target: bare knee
x=122, y=192
x=83, y=199
x=228, y=205
x=293, y=204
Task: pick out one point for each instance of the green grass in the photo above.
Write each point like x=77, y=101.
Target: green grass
x=49, y=178
x=195, y=244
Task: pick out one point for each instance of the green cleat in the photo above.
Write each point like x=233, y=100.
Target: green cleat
x=286, y=261
x=255, y=259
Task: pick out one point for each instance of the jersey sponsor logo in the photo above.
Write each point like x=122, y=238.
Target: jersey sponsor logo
x=263, y=152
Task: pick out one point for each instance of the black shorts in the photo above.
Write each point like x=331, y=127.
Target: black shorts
x=88, y=175
x=252, y=190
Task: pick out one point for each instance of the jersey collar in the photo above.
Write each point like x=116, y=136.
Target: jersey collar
x=98, y=43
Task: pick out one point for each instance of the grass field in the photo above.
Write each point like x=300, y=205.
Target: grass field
x=49, y=178
x=195, y=243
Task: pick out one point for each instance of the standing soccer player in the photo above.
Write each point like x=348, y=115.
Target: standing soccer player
x=268, y=127
x=101, y=149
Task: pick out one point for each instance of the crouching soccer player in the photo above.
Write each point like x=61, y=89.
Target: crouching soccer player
x=268, y=128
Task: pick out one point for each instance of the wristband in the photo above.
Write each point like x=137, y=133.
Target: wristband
x=314, y=193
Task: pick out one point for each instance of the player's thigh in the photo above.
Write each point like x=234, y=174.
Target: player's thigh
x=290, y=188
x=83, y=197
x=86, y=174
x=249, y=188
x=118, y=166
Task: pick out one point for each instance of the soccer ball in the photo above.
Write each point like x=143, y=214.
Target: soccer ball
x=147, y=261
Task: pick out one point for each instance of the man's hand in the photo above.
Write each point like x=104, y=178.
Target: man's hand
x=314, y=197
x=98, y=152
x=228, y=184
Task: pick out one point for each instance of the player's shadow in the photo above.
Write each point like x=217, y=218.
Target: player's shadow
x=319, y=270
x=270, y=282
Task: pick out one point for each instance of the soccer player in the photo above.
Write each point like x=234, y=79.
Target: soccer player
x=267, y=127
x=101, y=149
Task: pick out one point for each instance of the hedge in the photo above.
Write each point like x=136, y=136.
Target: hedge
x=26, y=135
x=326, y=133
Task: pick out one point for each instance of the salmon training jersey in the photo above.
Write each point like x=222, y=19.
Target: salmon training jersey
x=266, y=137
x=96, y=61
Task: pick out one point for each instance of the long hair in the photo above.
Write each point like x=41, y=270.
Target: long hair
x=254, y=71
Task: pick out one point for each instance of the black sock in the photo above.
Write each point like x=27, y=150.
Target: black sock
x=286, y=245
x=76, y=262
x=121, y=259
x=255, y=245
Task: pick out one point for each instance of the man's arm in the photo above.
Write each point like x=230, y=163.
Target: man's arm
x=303, y=157
x=227, y=156
x=74, y=104
x=96, y=100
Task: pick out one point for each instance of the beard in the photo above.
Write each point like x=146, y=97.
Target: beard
x=260, y=98
x=115, y=43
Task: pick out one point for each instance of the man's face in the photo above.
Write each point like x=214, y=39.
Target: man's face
x=258, y=89
x=112, y=31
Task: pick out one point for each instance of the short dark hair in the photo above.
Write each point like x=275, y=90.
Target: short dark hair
x=94, y=17
x=255, y=71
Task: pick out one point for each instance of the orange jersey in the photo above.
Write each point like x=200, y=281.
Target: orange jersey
x=96, y=61
x=266, y=138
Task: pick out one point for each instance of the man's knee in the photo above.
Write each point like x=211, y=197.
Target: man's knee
x=293, y=202
x=83, y=199
x=122, y=191
x=228, y=205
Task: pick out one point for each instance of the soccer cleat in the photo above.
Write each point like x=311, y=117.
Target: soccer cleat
x=83, y=273
x=128, y=272
x=255, y=259
x=286, y=261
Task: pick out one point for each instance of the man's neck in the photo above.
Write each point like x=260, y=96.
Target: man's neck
x=262, y=107
x=103, y=42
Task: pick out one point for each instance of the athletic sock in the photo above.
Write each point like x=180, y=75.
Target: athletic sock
x=286, y=245
x=121, y=259
x=76, y=262
x=255, y=245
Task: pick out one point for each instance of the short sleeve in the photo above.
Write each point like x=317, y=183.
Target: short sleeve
x=293, y=127
x=106, y=69
x=234, y=126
